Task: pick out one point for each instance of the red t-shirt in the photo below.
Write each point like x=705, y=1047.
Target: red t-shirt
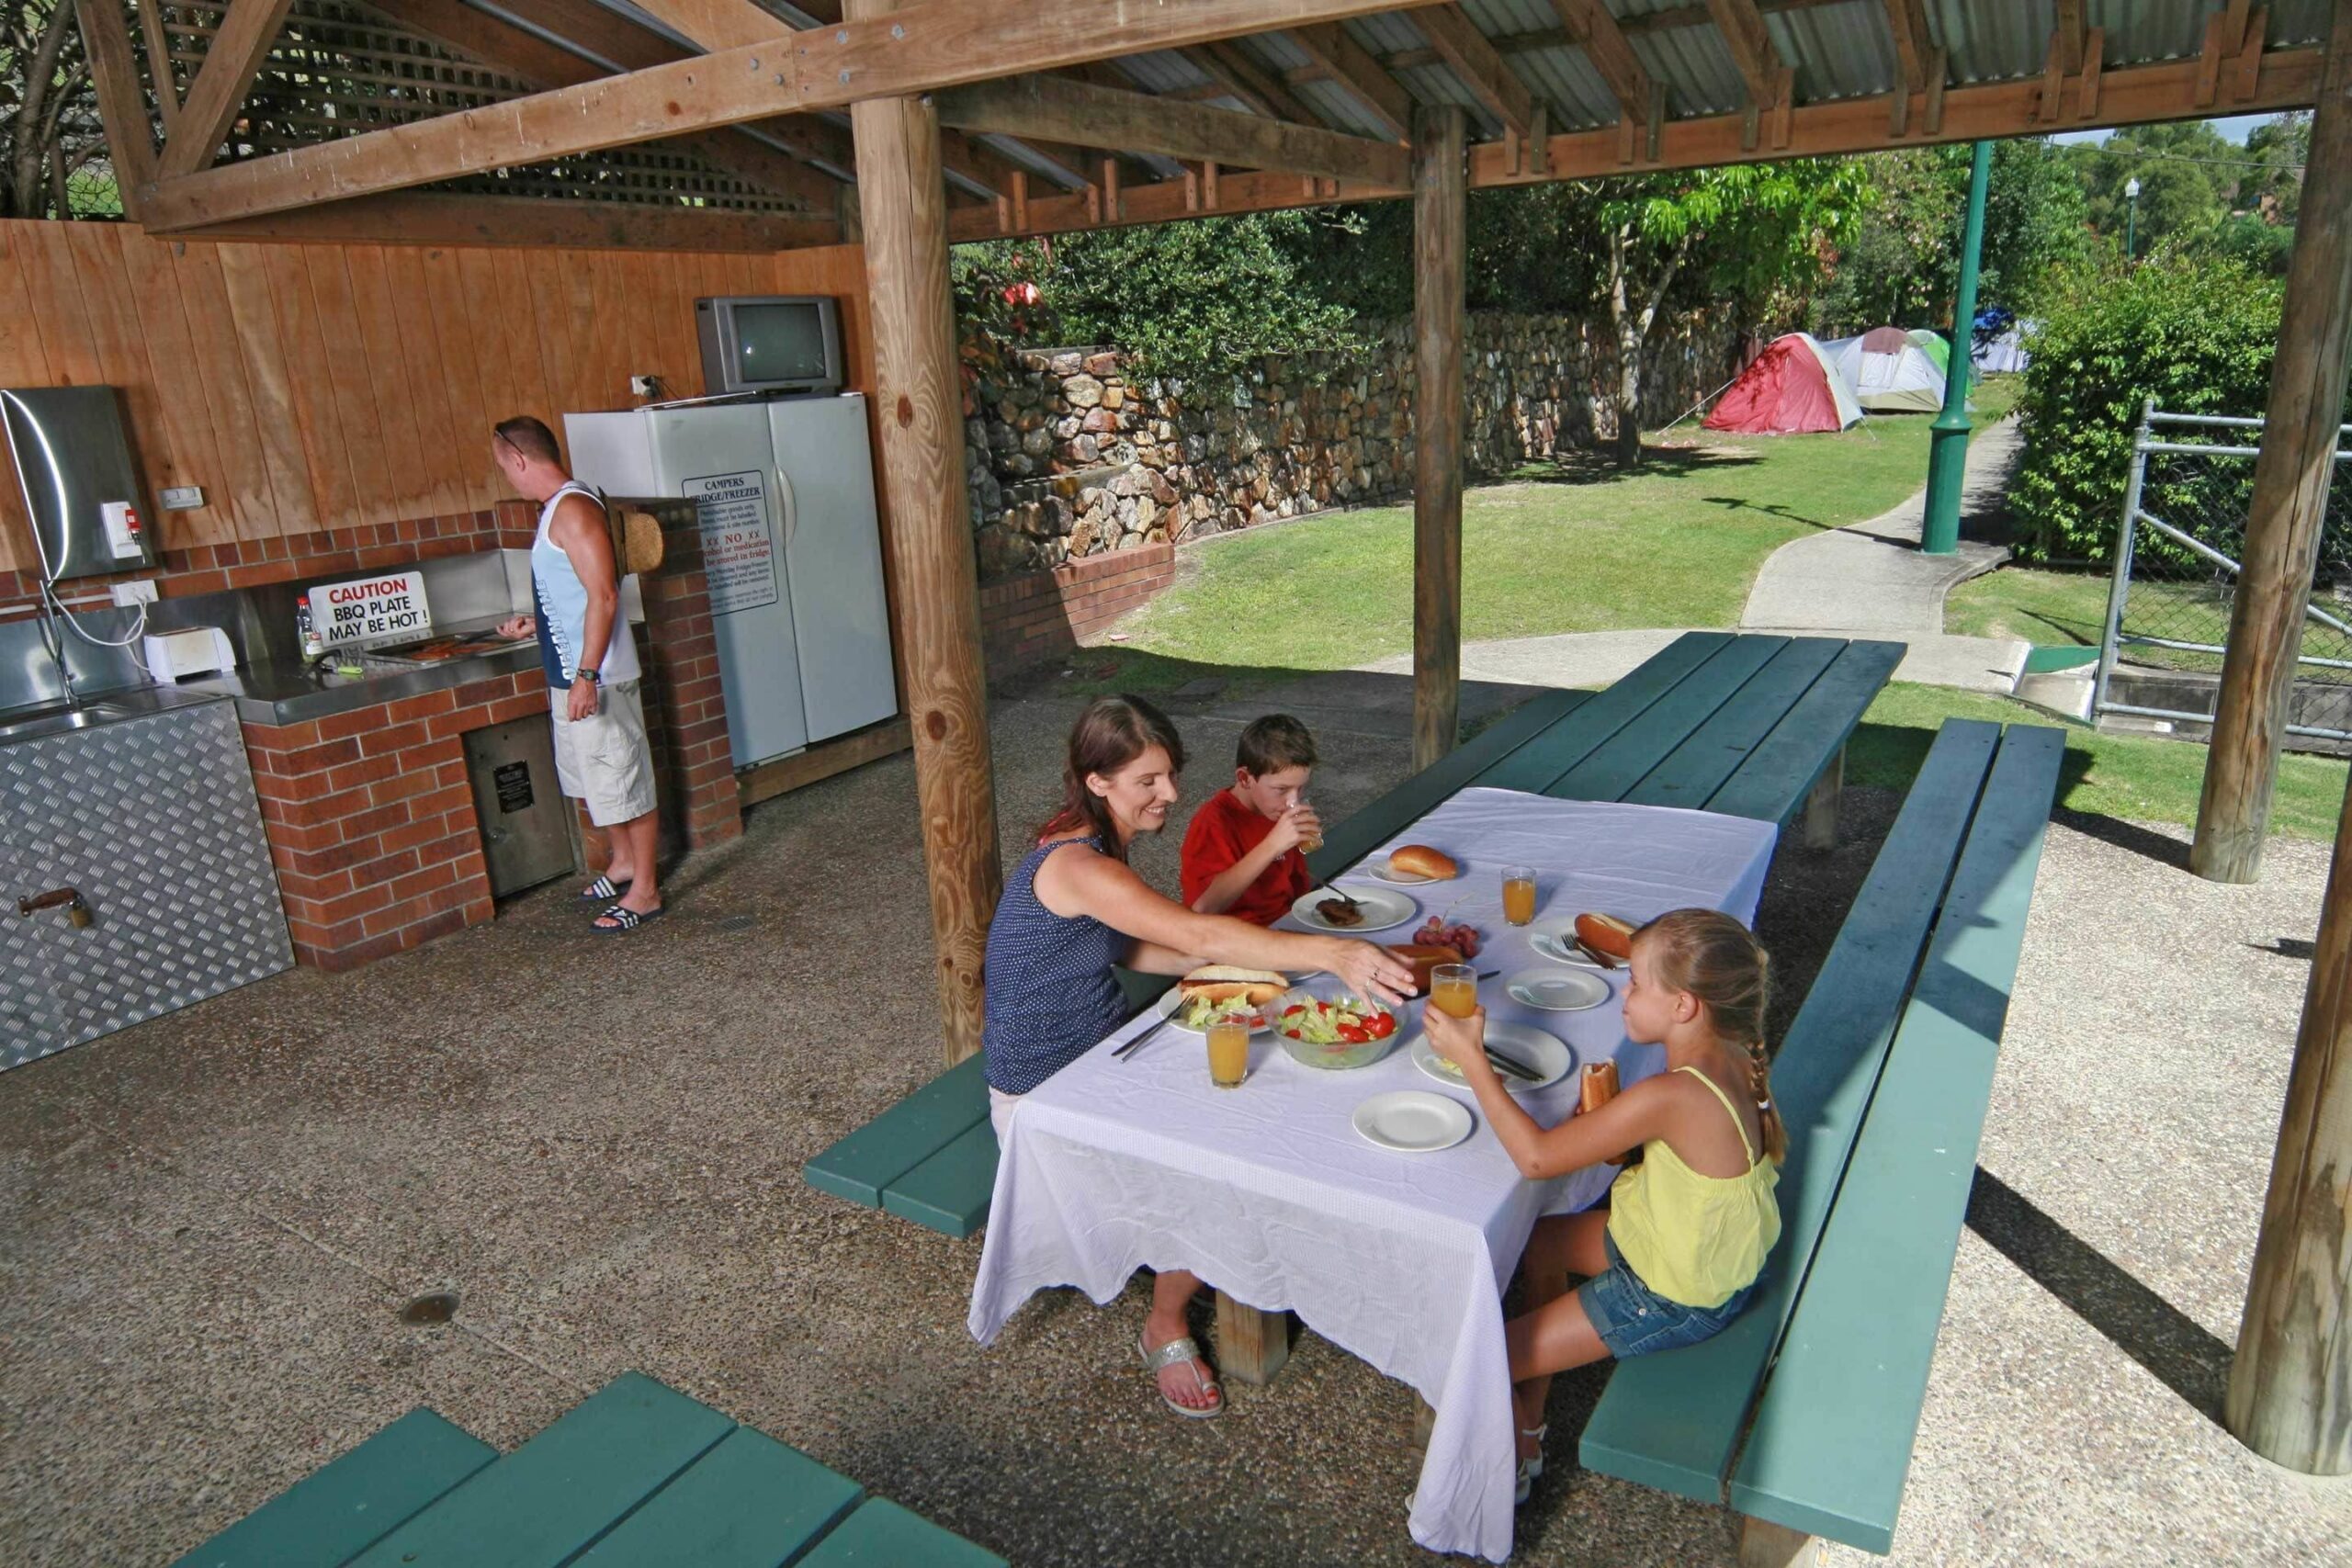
x=1224, y=829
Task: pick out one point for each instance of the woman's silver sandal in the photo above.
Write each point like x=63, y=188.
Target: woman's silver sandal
x=1181, y=1349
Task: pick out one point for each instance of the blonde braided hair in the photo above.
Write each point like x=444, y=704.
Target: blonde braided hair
x=1719, y=961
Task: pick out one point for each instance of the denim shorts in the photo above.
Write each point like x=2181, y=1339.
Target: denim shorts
x=1634, y=1320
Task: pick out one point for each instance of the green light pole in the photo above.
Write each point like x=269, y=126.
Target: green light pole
x=1948, y=438
x=2130, y=215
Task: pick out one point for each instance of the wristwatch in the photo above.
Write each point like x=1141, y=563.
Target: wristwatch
x=587, y=673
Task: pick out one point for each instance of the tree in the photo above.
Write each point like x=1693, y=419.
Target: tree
x=1750, y=234
x=49, y=119
x=2188, y=175
x=2278, y=148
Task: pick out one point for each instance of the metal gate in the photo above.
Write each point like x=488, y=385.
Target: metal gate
x=2177, y=565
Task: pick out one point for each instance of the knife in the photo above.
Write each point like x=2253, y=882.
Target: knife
x=1513, y=1066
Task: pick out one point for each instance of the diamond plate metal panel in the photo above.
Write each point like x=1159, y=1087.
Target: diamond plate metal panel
x=155, y=819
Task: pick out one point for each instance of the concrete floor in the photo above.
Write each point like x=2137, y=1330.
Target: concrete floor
x=209, y=1223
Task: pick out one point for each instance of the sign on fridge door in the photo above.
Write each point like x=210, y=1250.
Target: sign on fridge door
x=737, y=543
x=751, y=613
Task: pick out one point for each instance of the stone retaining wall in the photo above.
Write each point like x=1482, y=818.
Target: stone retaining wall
x=1068, y=455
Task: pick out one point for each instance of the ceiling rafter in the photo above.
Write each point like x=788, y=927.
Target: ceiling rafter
x=1473, y=60
x=1244, y=79
x=1772, y=85
x=214, y=98
x=1594, y=30
x=1348, y=62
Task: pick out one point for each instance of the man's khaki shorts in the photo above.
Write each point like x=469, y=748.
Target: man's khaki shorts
x=604, y=759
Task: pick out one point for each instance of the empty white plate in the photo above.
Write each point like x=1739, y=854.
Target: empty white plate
x=1547, y=1054
x=1382, y=911
x=1411, y=1121
x=1557, y=990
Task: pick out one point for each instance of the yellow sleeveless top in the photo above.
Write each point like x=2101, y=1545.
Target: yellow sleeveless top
x=1695, y=1239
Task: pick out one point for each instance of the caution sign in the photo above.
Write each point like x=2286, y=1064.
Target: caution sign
x=387, y=608
x=738, y=544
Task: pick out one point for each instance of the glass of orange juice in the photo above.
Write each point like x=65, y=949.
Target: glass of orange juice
x=1228, y=1049
x=1518, y=894
x=1312, y=842
x=1454, y=988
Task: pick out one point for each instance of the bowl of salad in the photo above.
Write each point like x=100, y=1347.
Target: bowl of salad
x=1319, y=1032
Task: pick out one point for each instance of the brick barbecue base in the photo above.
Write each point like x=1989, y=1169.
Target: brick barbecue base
x=1028, y=619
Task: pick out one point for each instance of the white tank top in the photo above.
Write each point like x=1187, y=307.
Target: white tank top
x=563, y=603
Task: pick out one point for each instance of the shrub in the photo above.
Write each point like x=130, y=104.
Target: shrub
x=2197, y=335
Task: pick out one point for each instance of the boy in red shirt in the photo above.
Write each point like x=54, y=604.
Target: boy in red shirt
x=1241, y=853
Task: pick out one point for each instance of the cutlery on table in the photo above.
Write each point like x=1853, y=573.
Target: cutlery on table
x=1511, y=1066
x=1138, y=1044
x=1606, y=960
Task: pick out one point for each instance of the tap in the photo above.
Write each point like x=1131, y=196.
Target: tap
x=77, y=908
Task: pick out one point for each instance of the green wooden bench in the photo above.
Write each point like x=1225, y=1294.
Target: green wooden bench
x=636, y=1476
x=1800, y=1416
x=1747, y=725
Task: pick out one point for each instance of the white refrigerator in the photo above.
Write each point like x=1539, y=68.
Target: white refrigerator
x=784, y=492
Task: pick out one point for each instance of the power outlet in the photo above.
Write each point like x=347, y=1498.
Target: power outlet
x=140, y=591
x=643, y=385
x=183, y=498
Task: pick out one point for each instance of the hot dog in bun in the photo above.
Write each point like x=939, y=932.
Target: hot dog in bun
x=1419, y=860
x=1606, y=933
x=1230, y=983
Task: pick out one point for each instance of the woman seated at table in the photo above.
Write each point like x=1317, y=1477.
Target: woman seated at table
x=1073, y=908
x=1674, y=1257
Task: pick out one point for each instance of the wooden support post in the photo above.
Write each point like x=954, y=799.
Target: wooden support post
x=1821, y=804
x=2290, y=1387
x=1439, y=217
x=1251, y=1345
x=1763, y=1544
x=2288, y=505
x=929, y=535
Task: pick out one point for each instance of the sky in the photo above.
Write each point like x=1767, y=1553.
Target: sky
x=2234, y=128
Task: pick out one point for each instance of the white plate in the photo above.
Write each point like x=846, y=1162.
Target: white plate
x=1171, y=1002
x=1379, y=870
x=1383, y=911
x=1547, y=1054
x=1556, y=940
x=1557, y=990
x=1412, y=1122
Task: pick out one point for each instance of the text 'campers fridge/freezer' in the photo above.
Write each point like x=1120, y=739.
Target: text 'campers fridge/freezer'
x=784, y=491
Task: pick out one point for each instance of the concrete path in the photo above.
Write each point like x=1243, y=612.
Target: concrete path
x=1869, y=579
x=1866, y=579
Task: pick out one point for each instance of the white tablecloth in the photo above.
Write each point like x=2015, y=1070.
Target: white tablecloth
x=1267, y=1192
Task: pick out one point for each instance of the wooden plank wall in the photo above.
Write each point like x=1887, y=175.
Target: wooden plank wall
x=309, y=387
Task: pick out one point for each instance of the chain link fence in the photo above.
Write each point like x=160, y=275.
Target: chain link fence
x=2177, y=559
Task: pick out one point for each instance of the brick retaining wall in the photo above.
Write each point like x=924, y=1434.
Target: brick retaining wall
x=1038, y=616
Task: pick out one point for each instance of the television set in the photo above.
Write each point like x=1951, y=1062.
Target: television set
x=770, y=343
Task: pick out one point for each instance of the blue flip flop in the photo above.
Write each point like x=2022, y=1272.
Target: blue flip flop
x=604, y=889
x=625, y=919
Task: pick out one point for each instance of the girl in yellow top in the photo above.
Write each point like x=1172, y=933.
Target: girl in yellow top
x=1674, y=1257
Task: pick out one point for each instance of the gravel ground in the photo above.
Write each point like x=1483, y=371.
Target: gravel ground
x=209, y=1223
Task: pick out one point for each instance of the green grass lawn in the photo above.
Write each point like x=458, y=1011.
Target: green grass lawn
x=2059, y=608
x=2146, y=779
x=1572, y=547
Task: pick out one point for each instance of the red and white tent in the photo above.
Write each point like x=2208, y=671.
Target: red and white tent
x=1790, y=388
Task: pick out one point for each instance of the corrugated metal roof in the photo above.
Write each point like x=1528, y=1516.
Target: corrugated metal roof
x=1691, y=63
x=1333, y=104
x=1839, y=51
x=1563, y=78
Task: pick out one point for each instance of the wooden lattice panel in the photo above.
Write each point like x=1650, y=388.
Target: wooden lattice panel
x=340, y=69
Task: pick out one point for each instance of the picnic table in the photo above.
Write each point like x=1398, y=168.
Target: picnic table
x=1268, y=1192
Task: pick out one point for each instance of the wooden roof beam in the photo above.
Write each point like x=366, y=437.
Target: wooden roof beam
x=1064, y=110
x=539, y=65
x=430, y=217
x=247, y=29
x=1473, y=60
x=122, y=109
x=2128, y=95
x=1772, y=85
x=1351, y=65
x=1596, y=31
x=1242, y=78
x=1907, y=20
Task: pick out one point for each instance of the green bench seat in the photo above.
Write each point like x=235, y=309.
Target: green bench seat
x=636, y=1476
x=1802, y=1414
x=1718, y=721
x=335, y=1513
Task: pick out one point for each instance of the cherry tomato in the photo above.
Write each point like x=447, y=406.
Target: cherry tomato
x=1293, y=1009
x=1352, y=1035
x=1380, y=1025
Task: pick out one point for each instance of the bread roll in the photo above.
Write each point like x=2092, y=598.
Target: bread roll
x=1606, y=933
x=1424, y=957
x=1598, y=1086
x=1419, y=860
x=1231, y=983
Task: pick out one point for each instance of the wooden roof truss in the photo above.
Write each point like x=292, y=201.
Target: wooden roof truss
x=1064, y=114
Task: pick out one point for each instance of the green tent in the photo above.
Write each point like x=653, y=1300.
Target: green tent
x=1935, y=345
